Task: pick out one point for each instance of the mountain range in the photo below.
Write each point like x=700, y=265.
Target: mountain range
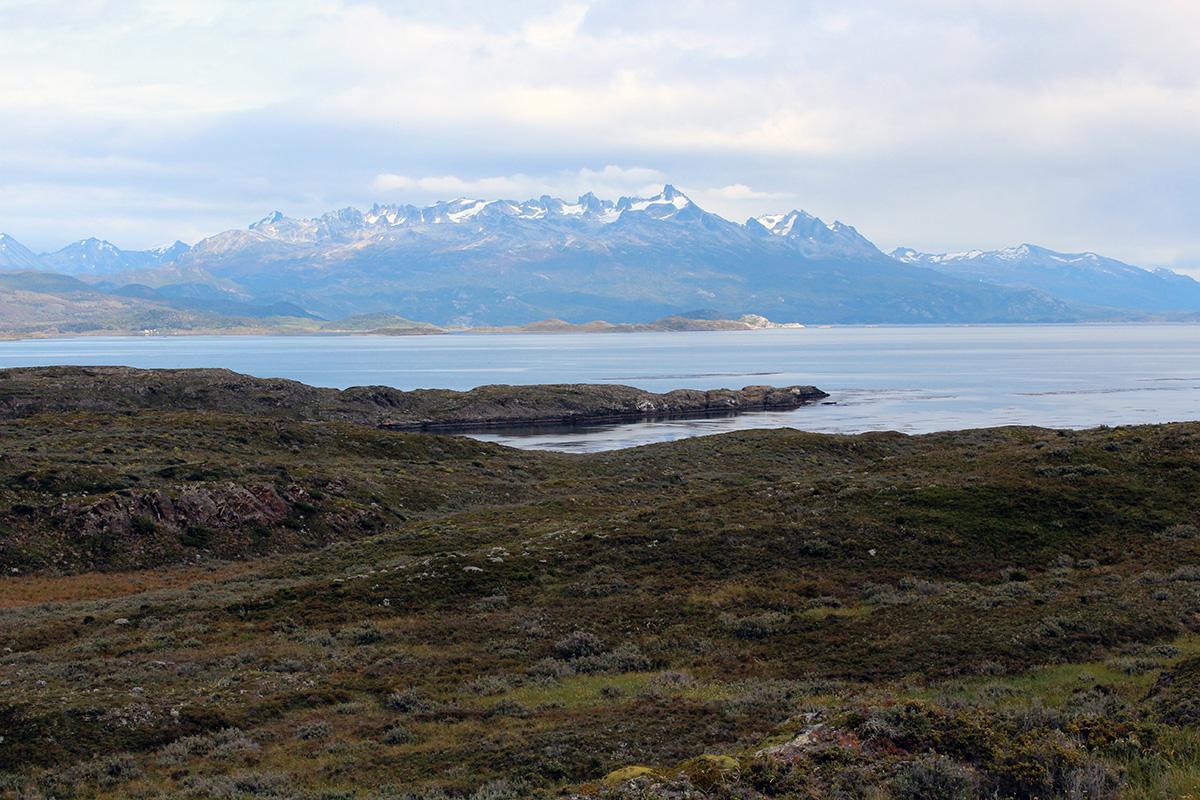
x=472, y=262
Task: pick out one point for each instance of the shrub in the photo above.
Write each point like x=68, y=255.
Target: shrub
x=883, y=594
x=196, y=536
x=550, y=669
x=1091, y=779
x=995, y=691
x=1176, y=533
x=935, y=779
x=501, y=789
x=366, y=633
x=225, y=744
x=1134, y=666
x=397, y=734
x=672, y=678
x=143, y=526
x=232, y=743
x=925, y=588
x=316, y=730
x=249, y=783
x=578, y=644
x=624, y=658
x=107, y=771
x=709, y=772
x=759, y=626
x=511, y=708
x=816, y=548
x=769, y=775
x=1190, y=574
x=1055, y=626
x=409, y=701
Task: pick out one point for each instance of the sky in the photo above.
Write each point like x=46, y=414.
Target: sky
x=942, y=125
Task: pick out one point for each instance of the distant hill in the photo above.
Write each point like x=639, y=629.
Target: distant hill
x=46, y=303
x=96, y=257
x=1084, y=278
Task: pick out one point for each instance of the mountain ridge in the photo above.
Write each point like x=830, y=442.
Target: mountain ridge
x=473, y=262
x=469, y=263
x=1076, y=277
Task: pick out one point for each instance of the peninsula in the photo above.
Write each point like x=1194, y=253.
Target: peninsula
x=25, y=391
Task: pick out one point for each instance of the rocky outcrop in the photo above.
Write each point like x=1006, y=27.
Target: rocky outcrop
x=135, y=529
x=216, y=506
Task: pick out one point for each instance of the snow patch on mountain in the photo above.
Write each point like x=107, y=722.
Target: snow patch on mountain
x=1079, y=277
x=98, y=257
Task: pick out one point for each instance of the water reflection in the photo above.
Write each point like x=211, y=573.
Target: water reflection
x=597, y=436
x=911, y=411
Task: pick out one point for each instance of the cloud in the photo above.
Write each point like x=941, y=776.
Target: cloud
x=740, y=191
x=451, y=187
x=609, y=182
x=946, y=124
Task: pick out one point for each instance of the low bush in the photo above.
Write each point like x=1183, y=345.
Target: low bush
x=935, y=778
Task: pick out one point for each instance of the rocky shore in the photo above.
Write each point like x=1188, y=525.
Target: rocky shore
x=558, y=404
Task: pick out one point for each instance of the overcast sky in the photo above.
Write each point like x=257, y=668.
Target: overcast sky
x=942, y=125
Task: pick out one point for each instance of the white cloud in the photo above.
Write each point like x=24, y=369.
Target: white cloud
x=449, y=187
x=609, y=182
x=933, y=121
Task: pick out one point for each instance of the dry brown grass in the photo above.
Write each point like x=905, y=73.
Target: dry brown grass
x=20, y=591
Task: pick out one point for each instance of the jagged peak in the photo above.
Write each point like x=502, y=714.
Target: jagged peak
x=785, y=224
x=270, y=219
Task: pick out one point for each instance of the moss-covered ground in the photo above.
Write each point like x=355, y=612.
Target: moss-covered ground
x=199, y=604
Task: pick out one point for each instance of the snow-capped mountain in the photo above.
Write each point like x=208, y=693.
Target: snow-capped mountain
x=1085, y=278
x=499, y=262
x=470, y=261
x=14, y=255
x=813, y=236
x=588, y=223
x=97, y=257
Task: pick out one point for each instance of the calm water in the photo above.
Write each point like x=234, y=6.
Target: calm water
x=913, y=379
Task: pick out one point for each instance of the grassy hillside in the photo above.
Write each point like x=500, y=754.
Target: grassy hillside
x=221, y=604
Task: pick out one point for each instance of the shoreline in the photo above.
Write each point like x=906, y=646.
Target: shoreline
x=573, y=329
x=784, y=399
